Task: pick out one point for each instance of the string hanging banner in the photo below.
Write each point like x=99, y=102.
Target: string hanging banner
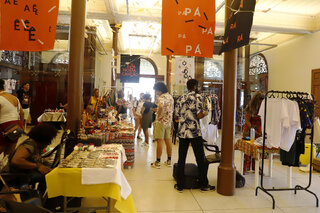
x=184, y=70
x=130, y=69
x=28, y=25
x=188, y=27
x=238, y=28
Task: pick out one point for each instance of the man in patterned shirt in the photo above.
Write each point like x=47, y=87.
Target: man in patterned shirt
x=163, y=122
x=189, y=109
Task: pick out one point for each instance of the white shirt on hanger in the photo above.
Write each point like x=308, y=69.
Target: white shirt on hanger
x=293, y=124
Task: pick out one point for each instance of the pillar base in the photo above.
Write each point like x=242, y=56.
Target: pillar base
x=226, y=180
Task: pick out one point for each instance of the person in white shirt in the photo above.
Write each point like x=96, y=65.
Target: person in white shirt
x=137, y=115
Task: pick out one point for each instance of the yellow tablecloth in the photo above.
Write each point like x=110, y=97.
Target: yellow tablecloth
x=67, y=182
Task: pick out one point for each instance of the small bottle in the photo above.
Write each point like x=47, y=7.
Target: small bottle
x=252, y=135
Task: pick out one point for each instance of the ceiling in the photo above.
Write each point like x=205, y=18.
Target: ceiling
x=275, y=22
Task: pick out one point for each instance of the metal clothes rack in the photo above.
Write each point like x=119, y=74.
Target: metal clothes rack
x=285, y=94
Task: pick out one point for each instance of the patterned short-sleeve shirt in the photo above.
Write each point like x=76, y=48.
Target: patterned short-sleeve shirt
x=167, y=102
x=187, y=108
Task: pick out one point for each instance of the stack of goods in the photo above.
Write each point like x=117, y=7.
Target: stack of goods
x=122, y=133
x=85, y=156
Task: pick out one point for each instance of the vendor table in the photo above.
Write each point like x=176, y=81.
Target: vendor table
x=92, y=182
x=255, y=151
x=126, y=139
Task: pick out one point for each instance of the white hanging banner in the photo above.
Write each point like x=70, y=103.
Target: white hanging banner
x=184, y=70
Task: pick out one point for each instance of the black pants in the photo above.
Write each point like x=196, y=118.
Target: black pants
x=197, y=146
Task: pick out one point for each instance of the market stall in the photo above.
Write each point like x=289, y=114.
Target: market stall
x=93, y=172
x=255, y=150
x=111, y=130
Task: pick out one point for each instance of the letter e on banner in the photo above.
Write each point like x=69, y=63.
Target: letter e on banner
x=28, y=25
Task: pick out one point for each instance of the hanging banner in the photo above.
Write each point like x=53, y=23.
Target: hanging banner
x=237, y=32
x=28, y=25
x=188, y=27
x=184, y=70
x=130, y=69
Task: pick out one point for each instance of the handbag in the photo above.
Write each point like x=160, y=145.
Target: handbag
x=12, y=132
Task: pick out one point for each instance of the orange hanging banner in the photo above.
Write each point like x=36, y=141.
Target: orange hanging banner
x=188, y=27
x=28, y=25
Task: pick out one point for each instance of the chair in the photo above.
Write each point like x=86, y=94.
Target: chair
x=216, y=156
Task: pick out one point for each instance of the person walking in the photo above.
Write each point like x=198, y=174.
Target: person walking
x=189, y=109
x=146, y=119
x=24, y=96
x=10, y=113
x=163, y=123
x=137, y=115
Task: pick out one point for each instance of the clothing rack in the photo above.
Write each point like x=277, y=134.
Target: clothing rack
x=285, y=94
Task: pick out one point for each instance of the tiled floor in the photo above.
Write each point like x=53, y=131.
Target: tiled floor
x=153, y=190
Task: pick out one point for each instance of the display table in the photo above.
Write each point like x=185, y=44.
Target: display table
x=255, y=151
x=92, y=182
x=126, y=139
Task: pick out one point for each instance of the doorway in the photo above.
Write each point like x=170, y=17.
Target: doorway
x=145, y=86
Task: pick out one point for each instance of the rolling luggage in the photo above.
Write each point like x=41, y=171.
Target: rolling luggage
x=191, y=176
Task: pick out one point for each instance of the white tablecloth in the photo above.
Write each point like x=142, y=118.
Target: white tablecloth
x=108, y=175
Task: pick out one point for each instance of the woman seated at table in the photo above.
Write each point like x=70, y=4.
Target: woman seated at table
x=252, y=120
x=27, y=157
x=87, y=119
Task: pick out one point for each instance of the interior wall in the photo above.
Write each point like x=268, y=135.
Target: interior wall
x=291, y=64
x=103, y=70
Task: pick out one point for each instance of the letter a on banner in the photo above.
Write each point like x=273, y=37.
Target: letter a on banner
x=28, y=25
x=195, y=20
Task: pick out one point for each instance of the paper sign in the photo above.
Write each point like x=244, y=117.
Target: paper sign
x=28, y=25
x=188, y=27
x=237, y=32
x=184, y=70
x=130, y=69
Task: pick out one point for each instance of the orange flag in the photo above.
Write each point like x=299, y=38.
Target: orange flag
x=188, y=27
x=28, y=25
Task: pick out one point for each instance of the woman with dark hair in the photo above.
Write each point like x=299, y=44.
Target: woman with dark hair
x=146, y=119
x=122, y=105
x=27, y=157
x=163, y=122
x=10, y=113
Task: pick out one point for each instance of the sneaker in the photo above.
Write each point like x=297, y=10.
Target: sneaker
x=138, y=137
x=207, y=188
x=168, y=163
x=144, y=144
x=156, y=165
x=178, y=188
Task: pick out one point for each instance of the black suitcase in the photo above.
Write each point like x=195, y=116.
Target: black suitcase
x=191, y=176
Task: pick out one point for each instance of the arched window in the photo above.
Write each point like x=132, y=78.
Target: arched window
x=258, y=65
x=61, y=58
x=213, y=70
x=146, y=67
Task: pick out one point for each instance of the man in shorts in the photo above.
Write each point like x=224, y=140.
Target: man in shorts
x=163, y=123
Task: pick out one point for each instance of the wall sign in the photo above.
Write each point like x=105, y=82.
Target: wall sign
x=184, y=70
x=28, y=25
x=188, y=27
x=130, y=69
x=237, y=32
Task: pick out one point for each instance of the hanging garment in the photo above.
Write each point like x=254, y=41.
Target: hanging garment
x=291, y=158
x=283, y=120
